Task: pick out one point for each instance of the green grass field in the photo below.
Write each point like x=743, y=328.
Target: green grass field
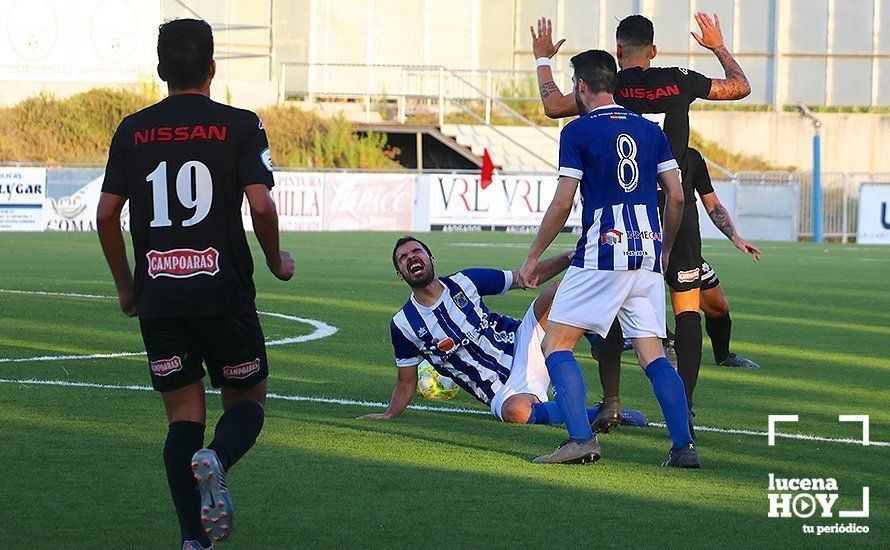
x=83, y=466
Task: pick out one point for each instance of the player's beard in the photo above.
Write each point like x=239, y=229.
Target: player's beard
x=424, y=280
x=582, y=110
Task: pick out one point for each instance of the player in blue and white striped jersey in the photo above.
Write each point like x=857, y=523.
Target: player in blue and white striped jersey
x=618, y=158
x=495, y=358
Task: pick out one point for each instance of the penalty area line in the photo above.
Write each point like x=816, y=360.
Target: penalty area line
x=458, y=410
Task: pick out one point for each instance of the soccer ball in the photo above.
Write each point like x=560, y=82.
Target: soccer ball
x=432, y=385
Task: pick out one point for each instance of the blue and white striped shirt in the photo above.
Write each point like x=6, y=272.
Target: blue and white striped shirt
x=459, y=336
x=617, y=155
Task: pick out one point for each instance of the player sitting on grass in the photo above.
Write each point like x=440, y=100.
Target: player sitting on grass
x=495, y=358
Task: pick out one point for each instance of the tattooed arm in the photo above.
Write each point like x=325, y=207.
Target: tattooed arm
x=735, y=85
x=723, y=221
x=556, y=105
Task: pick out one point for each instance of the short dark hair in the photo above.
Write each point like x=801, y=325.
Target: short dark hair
x=597, y=69
x=407, y=239
x=185, y=51
x=635, y=31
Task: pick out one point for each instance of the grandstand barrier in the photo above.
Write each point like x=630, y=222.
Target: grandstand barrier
x=766, y=206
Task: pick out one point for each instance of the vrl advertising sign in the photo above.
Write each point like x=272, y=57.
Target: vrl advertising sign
x=874, y=214
x=459, y=202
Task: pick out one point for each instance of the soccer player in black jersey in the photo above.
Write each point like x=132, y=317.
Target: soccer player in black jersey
x=185, y=165
x=662, y=94
x=713, y=301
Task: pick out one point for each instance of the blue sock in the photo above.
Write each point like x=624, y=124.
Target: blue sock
x=570, y=393
x=671, y=395
x=548, y=413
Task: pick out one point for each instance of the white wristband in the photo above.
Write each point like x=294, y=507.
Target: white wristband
x=541, y=61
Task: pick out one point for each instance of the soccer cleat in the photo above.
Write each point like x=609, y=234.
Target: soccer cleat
x=195, y=545
x=217, y=514
x=608, y=417
x=737, y=361
x=684, y=458
x=573, y=452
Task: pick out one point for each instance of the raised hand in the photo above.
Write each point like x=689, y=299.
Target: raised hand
x=542, y=43
x=711, y=36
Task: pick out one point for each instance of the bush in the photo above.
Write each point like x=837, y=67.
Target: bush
x=78, y=129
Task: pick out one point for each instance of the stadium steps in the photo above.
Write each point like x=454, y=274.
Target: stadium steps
x=509, y=146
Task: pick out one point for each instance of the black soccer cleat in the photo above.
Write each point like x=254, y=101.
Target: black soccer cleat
x=571, y=451
x=686, y=457
x=217, y=514
x=609, y=416
x=739, y=362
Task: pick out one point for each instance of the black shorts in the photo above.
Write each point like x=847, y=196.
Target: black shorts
x=684, y=270
x=232, y=346
x=709, y=277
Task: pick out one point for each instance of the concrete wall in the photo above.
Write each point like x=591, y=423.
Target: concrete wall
x=850, y=142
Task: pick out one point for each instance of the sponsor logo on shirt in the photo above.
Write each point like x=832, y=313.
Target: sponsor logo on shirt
x=180, y=133
x=238, y=372
x=182, y=263
x=646, y=235
x=446, y=344
x=611, y=237
x=688, y=276
x=641, y=92
x=163, y=367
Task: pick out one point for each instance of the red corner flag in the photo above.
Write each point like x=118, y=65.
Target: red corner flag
x=487, y=169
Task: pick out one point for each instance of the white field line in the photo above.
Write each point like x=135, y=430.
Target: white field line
x=458, y=410
x=322, y=330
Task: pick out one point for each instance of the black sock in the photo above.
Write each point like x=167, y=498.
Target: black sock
x=236, y=431
x=609, y=359
x=687, y=344
x=184, y=438
x=719, y=329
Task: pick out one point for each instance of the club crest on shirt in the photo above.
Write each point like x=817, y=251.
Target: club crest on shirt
x=611, y=237
x=460, y=300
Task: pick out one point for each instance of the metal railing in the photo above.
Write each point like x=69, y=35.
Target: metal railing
x=461, y=95
x=840, y=198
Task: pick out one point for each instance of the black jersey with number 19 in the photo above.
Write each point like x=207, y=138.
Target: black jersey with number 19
x=183, y=164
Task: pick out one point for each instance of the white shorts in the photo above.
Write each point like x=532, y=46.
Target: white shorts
x=528, y=374
x=591, y=299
